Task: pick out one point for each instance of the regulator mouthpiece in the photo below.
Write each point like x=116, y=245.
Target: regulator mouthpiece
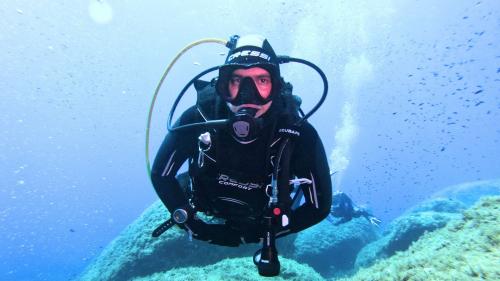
x=244, y=126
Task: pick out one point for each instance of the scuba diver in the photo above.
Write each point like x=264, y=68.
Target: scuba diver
x=346, y=210
x=232, y=169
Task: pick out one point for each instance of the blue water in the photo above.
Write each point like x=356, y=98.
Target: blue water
x=414, y=105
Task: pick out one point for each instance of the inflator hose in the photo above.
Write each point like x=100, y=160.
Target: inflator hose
x=151, y=107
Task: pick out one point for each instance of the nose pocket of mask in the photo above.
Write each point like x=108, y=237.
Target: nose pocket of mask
x=248, y=93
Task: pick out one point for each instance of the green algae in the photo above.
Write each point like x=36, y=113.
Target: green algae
x=466, y=249
x=236, y=269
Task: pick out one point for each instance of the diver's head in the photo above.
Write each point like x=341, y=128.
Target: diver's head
x=250, y=80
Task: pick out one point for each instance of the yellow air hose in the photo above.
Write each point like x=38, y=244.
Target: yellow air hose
x=148, y=126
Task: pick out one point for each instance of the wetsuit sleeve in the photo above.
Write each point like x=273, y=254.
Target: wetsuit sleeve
x=176, y=148
x=309, y=161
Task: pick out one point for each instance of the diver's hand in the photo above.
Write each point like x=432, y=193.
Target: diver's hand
x=218, y=234
x=196, y=229
x=368, y=216
x=253, y=234
x=247, y=232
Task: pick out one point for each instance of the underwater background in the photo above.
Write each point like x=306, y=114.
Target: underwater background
x=413, y=106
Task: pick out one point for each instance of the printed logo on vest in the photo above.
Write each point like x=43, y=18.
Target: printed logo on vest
x=228, y=181
x=289, y=131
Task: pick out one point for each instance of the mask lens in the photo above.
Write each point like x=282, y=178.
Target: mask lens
x=242, y=85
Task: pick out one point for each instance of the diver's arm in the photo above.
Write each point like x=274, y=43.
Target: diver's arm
x=173, y=196
x=309, y=161
x=367, y=215
x=170, y=157
x=173, y=152
x=175, y=149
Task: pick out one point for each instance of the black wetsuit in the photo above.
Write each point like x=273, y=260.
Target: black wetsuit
x=229, y=178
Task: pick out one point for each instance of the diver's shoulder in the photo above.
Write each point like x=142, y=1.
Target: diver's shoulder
x=190, y=115
x=308, y=130
x=305, y=133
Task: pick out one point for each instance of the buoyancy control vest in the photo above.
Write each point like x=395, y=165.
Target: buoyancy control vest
x=229, y=179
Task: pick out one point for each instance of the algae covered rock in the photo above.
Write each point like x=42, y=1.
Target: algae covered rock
x=401, y=233
x=135, y=253
x=427, y=216
x=331, y=249
x=466, y=249
x=235, y=269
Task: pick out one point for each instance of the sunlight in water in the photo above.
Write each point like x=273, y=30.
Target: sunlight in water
x=100, y=11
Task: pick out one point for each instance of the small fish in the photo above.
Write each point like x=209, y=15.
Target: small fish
x=196, y=63
x=477, y=92
x=19, y=11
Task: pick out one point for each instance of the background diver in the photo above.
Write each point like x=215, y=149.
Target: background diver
x=343, y=210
